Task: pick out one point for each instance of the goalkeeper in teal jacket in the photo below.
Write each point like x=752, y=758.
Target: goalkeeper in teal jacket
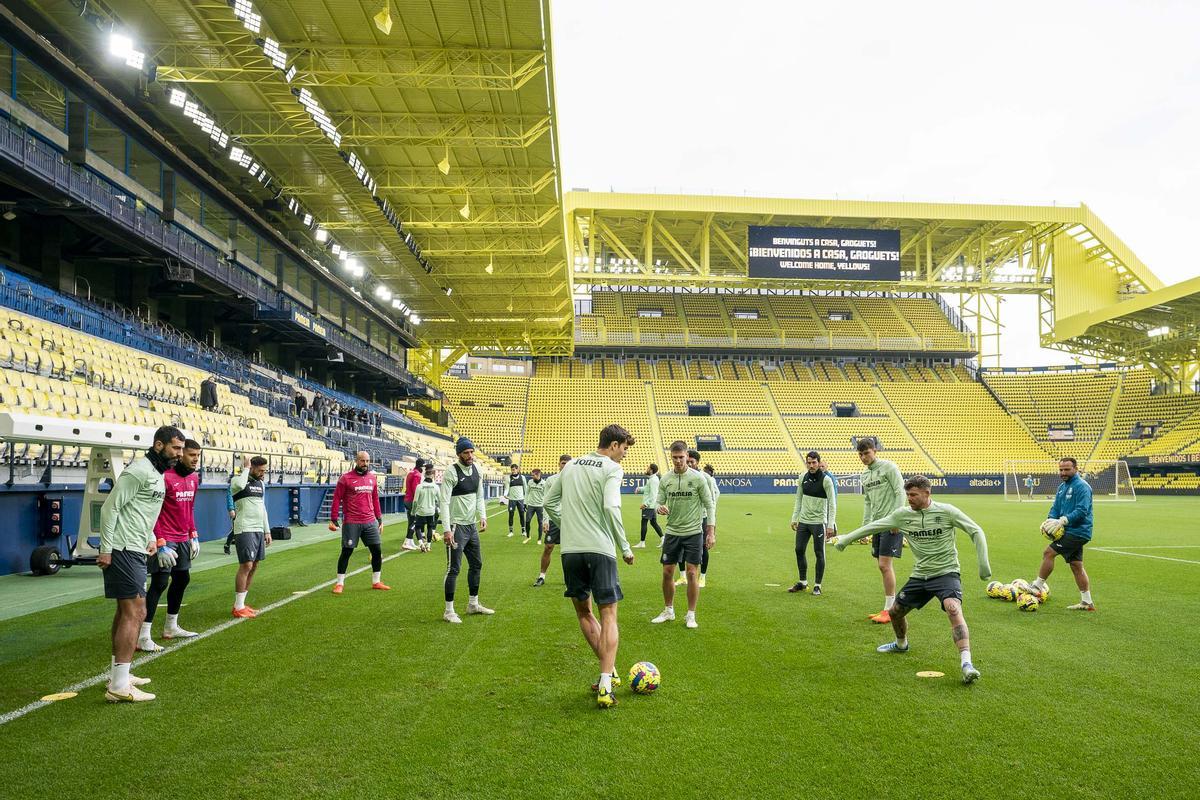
x=929, y=528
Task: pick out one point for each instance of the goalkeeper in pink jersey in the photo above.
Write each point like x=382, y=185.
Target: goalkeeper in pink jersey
x=357, y=494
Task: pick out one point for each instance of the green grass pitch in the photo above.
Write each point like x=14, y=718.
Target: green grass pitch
x=776, y=695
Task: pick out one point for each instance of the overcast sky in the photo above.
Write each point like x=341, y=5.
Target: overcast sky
x=1018, y=102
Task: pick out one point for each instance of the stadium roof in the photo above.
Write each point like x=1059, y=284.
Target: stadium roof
x=456, y=83
x=1160, y=328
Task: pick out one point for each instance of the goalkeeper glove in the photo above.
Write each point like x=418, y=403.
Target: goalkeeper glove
x=228, y=542
x=167, y=557
x=194, y=544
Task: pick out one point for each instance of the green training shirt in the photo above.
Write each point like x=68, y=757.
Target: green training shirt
x=251, y=508
x=516, y=491
x=425, y=499
x=816, y=510
x=463, y=509
x=650, y=490
x=131, y=508
x=883, y=490
x=930, y=534
x=688, y=501
x=585, y=503
x=535, y=492
x=550, y=480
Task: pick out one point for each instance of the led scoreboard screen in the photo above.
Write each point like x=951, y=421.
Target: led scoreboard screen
x=856, y=254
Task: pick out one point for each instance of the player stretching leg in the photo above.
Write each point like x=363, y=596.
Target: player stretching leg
x=251, y=529
x=550, y=527
x=684, y=499
x=929, y=527
x=358, y=493
x=883, y=493
x=463, y=508
x=585, y=501
x=814, y=517
x=178, y=545
x=535, y=504
x=649, y=503
x=126, y=538
x=1070, y=519
x=516, y=500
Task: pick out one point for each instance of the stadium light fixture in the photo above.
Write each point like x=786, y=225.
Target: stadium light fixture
x=336, y=249
x=122, y=47
x=321, y=236
x=383, y=293
x=449, y=290
x=383, y=20
x=1160, y=331
x=465, y=211
x=351, y=264
x=178, y=98
x=489, y=268
x=414, y=319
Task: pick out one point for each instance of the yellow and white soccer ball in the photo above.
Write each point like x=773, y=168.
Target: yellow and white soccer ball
x=1027, y=602
x=993, y=589
x=1052, y=530
x=1007, y=592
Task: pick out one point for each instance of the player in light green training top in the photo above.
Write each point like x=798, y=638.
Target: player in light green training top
x=464, y=517
x=585, y=502
x=814, y=517
x=929, y=527
x=126, y=538
x=883, y=493
x=684, y=499
x=550, y=528
x=649, y=505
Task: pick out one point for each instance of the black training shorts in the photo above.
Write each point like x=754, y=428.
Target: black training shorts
x=919, y=591
x=591, y=574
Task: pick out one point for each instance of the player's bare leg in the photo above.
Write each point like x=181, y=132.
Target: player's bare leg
x=588, y=623
x=962, y=638
x=1085, y=588
x=1047, y=563
x=668, y=589
x=888, y=573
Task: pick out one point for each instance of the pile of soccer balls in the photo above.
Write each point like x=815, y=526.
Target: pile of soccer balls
x=1021, y=592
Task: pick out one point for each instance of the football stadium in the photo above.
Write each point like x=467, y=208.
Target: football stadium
x=754, y=497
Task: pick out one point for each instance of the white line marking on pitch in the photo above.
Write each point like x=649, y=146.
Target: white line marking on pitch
x=96, y=680
x=1153, y=547
x=1145, y=555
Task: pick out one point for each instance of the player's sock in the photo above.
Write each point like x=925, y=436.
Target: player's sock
x=145, y=630
x=1039, y=584
x=1086, y=596
x=119, y=679
x=450, y=606
x=888, y=601
x=376, y=577
x=541, y=576
x=902, y=642
x=606, y=681
x=239, y=600
x=473, y=600
x=341, y=578
x=964, y=656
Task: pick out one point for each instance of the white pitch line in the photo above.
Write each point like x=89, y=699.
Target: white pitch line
x=1153, y=547
x=100, y=678
x=96, y=680
x=1144, y=555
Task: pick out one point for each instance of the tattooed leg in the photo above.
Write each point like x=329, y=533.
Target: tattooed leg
x=958, y=624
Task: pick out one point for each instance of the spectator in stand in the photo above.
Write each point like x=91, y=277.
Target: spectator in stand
x=208, y=393
x=301, y=404
x=318, y=409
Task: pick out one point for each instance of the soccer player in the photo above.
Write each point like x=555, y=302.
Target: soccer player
x=251, y=529
x=1070, y=513
x=411, y=481
x=550, y=528
x=684, y=499
x=177, y=543
x=127, y=521
x=813, y=517
x=1030, y=483
x=464, y=517
x=693, y=462
x=930, y=530
x=585, y=501
x=535, y=501
x=424, y=508
x=357, y=492
x=515, y=498
x=883, y=493
x=649, y=505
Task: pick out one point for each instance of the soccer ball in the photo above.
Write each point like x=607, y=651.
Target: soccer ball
x=1027, y=602
x=1007, y=592
x=644, y=677
x=1023, y=586
x=502, y=501
x=993, y=589
x=1044, y=594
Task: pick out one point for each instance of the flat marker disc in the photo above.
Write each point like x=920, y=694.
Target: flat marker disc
x=772, y=584
x=50, y=698
x=930, y=674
